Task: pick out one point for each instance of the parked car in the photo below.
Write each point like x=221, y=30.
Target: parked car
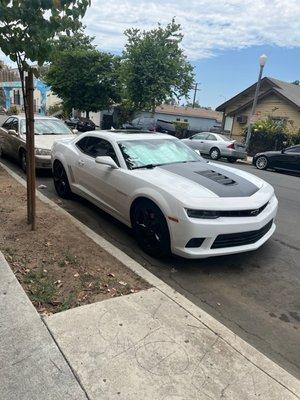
x=174, y=200
x=216, y=146
x=47, y=130
x=287, y=159
x=81, y=124
x=141, y=123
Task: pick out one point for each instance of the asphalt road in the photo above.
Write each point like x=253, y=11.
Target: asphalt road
x=255, y=294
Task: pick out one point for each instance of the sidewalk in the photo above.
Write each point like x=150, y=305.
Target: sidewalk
x=140, y=346
x=151, y=345
x=31, y=365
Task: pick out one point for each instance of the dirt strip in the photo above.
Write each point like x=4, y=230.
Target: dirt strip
x=57, y=265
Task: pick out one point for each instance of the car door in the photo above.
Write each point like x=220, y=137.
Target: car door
x=98, y=182
x=197, y=142
x=13, y=139
x=292, y=158
x=210, y=142
x=4, y=137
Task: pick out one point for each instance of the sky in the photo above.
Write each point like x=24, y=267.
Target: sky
x=223, y=39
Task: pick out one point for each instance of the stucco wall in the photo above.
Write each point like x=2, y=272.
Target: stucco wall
x=201, y=124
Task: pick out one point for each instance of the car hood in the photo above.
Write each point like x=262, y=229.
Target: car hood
x=190, y=182
x=46, y=141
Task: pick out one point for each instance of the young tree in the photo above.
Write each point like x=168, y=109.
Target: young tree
x=154, y=66
x=86, y=80
x=27, y=30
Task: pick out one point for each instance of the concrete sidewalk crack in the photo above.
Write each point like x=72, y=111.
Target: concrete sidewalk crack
x=67, y=361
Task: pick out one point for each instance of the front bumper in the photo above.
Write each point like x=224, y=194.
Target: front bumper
x=43, y=162
x=189, y=228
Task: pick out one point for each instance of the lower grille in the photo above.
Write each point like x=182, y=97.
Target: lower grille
x=240, y=239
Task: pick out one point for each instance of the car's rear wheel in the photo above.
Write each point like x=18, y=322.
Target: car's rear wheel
x=261, y=162
x=215, y=153
x=151, y=229
x=231, y=159
x=22, y=160
x=61, y=181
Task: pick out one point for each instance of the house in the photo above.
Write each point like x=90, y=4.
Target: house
x=277, y=99
x=198, y=119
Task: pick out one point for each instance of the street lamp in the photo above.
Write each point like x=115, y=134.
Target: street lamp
x=262, y=63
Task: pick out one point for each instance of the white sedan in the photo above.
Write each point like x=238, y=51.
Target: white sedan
x=174, y=200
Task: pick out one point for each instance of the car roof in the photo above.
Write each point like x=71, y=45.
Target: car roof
x=121, y=135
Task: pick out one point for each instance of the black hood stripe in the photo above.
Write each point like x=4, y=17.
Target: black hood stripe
x=221, y=182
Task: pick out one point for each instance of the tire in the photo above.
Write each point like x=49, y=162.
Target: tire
x=61, y=181
x=261, y=162
x=231, y=159
x=22, y=160
x=215, y=153
x=151, y=229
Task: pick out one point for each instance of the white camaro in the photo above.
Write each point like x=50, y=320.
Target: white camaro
x=174, y=200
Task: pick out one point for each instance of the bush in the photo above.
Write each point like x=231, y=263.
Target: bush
x=181, y=129
x=270, y=134
x=13, y=110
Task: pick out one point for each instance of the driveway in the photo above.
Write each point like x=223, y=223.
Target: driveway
x=255, y=294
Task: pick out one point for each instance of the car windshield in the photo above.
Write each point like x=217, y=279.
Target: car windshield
x=47, y=127
x=154, y=152
x=227, y=139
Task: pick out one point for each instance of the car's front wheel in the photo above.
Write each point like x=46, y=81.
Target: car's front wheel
x=261, y=162
x=23, y=160
x=61, y=181
x=151, y=229
x=215, y=153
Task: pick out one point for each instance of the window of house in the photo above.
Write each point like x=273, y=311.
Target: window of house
x=185, y=120
x=177, y=119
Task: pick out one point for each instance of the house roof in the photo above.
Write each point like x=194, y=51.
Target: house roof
x=189, y=112
x=289, y=91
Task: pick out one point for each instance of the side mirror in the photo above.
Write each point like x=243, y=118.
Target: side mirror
x=75, y=131
x=12, y=132
x=191, y=137
x=282, y=151
x=106, y=160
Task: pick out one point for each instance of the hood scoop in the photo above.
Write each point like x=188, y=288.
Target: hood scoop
x=216, y=177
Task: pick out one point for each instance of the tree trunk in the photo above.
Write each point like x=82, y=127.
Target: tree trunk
x=87, y=114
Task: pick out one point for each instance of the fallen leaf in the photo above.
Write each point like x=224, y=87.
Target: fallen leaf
x=111, y=274
x=123, y=283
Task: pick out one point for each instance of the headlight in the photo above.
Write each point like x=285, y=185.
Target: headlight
x=205, y=214
x=42, y=152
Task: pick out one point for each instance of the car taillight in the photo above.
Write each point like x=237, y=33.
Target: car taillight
x=230, y=146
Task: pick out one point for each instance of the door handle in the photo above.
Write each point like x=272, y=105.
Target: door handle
x=81, y=162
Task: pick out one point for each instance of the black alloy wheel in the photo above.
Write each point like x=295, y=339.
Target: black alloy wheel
x=23, y=160
x=151, y=229
x=61, y=181
x=261, y=162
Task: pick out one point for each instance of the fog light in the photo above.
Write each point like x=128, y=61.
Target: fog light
x=195, y=242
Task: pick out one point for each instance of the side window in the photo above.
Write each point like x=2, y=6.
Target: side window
x=81, y=144
x=211, y=137
x=95, y=147
x=293, y=150
x=14, y=125
x=7, y=123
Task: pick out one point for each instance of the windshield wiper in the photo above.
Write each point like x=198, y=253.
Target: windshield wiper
x=148, y=166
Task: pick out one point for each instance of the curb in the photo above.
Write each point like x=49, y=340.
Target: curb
x=252, y=355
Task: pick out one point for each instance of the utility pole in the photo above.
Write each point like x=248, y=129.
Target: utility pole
x=195, y=93
x=30, y=155
x=262, y=63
